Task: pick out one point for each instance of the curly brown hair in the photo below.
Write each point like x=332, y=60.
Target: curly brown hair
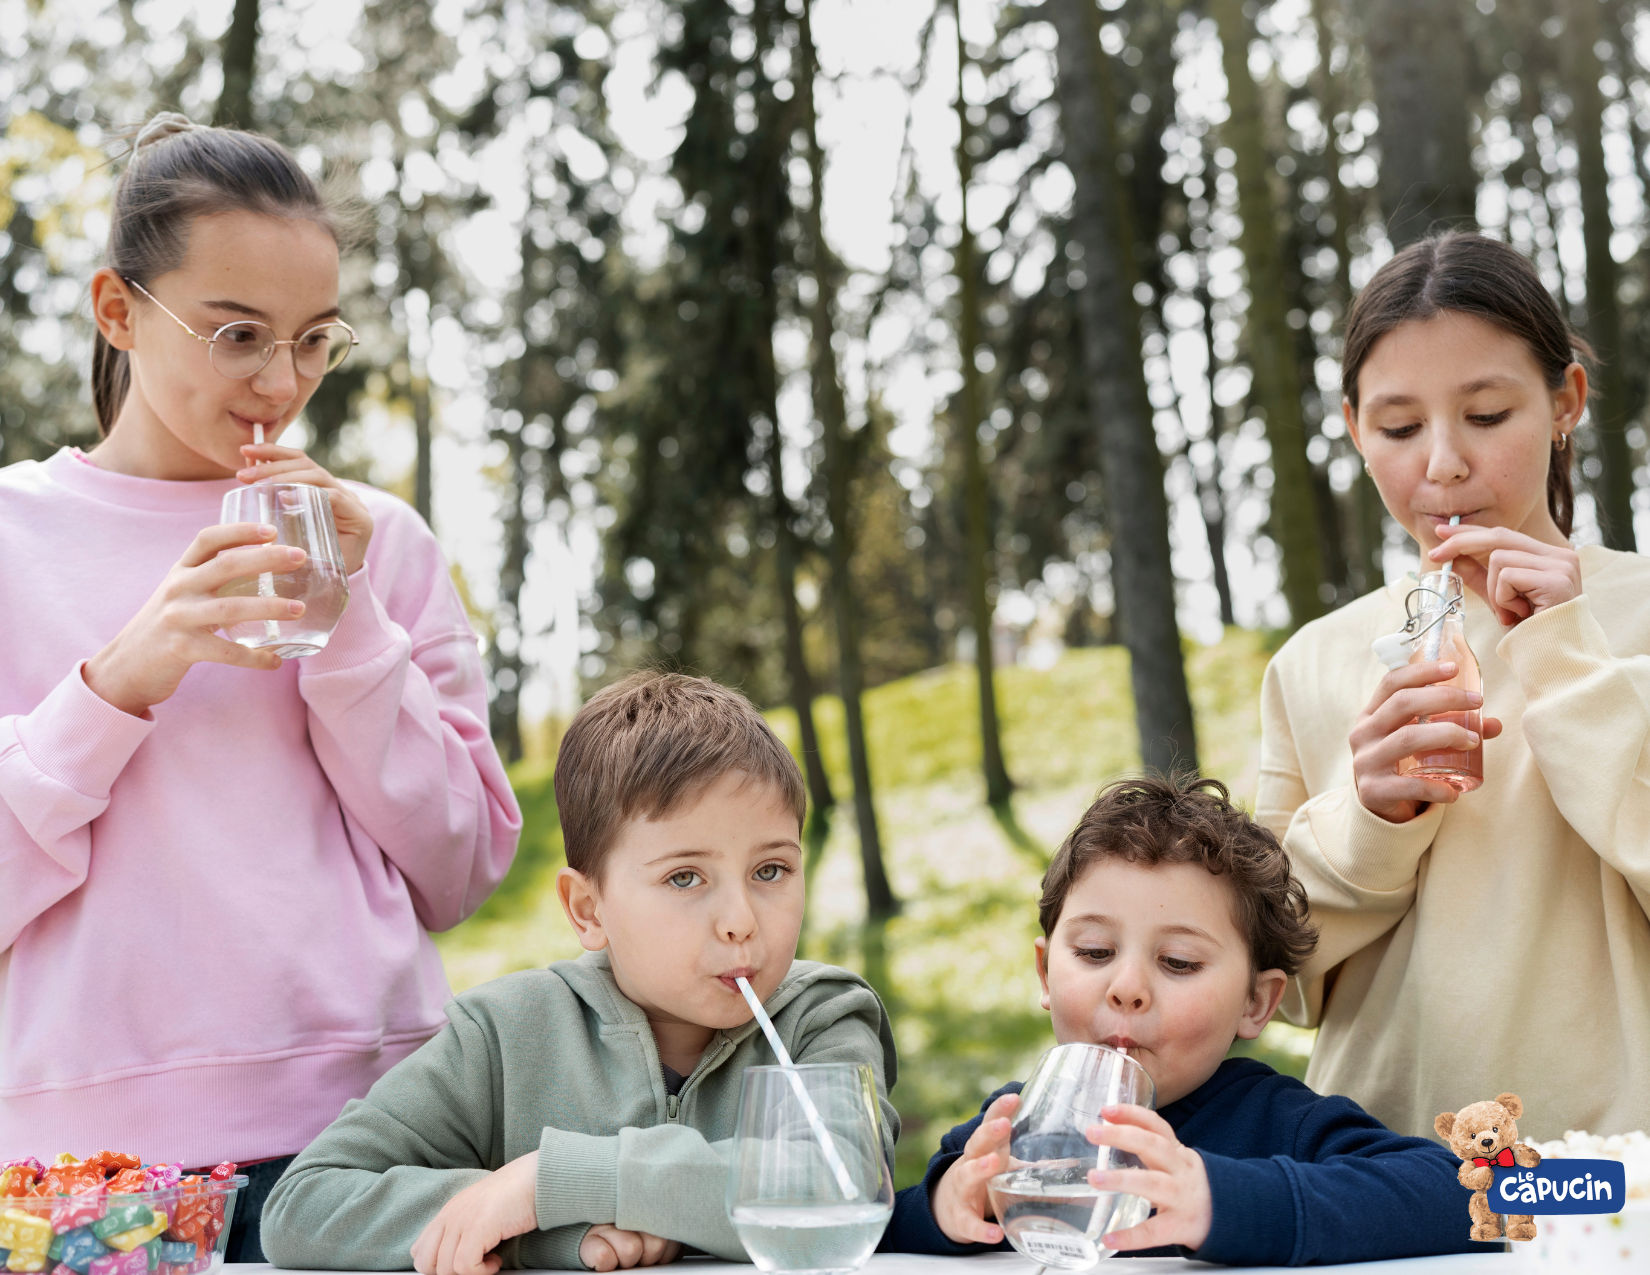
x=1153, y=819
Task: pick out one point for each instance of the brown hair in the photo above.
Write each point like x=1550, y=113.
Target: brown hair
x=645, y=745
x=1153, y=820
x=1477, y=275
x=179, y=171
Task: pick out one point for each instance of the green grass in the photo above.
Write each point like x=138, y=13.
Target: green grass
x=956, y=965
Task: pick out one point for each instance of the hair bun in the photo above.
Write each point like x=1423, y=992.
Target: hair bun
x=163, y=125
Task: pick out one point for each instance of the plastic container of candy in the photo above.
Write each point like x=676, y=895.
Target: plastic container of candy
x=176, y=1229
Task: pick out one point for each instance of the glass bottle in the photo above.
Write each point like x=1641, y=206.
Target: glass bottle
x=1440, y=636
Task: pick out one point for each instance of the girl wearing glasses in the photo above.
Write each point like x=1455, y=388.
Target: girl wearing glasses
x=218, y=870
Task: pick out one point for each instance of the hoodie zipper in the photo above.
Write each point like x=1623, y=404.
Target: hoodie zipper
x=673, y=1102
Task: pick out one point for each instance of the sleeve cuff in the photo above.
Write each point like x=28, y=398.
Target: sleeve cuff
x=1363, y=848
x=1550, y=651
x=556, y=1250
x=1252, y=1218
x=364, y=632
x=78, y=739
x=578, y=1179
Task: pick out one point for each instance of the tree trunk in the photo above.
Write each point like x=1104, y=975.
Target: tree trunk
x=1277, y=387
x=239, y=57
x=1417, y=60
x=505, y=713
x=840, y=455
x=1611, y=405
x=977, y=496
x=1132, y=470
x=1210, y=498
x=419, y=386
x=1368, y=571
x=784, y=558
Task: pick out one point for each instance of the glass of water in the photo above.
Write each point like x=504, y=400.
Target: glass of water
x=809, y=1191
x=1045, y=1203
x=302, y=517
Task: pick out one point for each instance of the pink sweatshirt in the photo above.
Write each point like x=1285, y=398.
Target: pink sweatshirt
x=214, y=919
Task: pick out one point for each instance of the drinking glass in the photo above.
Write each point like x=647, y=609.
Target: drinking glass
x=1439, y=602
x=1045, y=1203
x=787, y=1178
x=302, y=517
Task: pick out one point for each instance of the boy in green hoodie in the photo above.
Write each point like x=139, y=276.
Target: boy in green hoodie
x=581, y=1115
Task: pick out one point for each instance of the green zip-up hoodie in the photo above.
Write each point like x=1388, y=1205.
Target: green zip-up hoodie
x=560, y=1060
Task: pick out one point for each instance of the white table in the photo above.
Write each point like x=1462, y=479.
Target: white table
x=1014, y=1264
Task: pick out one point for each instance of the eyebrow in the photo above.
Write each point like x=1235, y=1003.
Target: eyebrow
x=235, y=307
x=1471, y=387
x=711, y=854
x=1193, y=930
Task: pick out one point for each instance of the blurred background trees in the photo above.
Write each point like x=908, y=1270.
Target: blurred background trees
x=693, y=357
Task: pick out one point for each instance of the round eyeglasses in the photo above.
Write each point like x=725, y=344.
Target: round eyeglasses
x=243, y=348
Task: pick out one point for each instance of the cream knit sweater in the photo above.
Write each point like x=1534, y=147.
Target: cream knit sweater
x=1502, y=942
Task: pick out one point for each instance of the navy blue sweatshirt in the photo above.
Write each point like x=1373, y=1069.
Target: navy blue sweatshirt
x=1295, y=1179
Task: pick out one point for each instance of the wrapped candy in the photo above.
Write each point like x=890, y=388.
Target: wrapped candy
x=81, y=1209
x=126, y=1241
x=128, y=1181
x=28, y=1237
x=134, y=1263
x=71, y=1177
x=162, y=1176
x=78, y=1248
x=17, y=1180
x=122, y=1218
x=111, y=1161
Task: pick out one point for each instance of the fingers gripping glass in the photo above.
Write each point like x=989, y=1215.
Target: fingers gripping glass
x=243, y=348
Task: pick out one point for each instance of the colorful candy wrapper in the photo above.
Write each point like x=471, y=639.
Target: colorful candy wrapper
x=161, y=1176
x=28, y=1237
x=134, y=1263
x=79, y=1248
x=110, y=1161
x=122, y=1218
x=138, y=1236
x=82, y=1209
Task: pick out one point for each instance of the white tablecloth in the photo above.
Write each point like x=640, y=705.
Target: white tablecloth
x=1014, y=1264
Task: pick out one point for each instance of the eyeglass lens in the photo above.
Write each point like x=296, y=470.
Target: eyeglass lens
x=242, y=349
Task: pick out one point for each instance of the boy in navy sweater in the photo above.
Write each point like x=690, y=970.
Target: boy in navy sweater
x=1171, y=924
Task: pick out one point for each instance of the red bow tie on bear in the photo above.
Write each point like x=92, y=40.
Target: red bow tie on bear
x=1504, y=1160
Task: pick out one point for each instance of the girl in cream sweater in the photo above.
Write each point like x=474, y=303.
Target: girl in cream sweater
x=1497, y=940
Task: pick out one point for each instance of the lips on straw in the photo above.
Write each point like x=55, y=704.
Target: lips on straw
x=827, y=1144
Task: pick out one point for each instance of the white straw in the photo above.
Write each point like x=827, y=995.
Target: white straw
x=1435, y=638
x=826, y=1143
x=266, y=581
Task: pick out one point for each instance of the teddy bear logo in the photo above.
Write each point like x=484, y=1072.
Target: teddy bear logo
x=1485, y=1136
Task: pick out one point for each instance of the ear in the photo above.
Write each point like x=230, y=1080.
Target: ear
x=1040, y=944
x=582, y=903
x=1569, y=401
x=1443, y=1125
x=1350, y=415
x=112, y=308
x=1264, y=994
x=1515, y=1108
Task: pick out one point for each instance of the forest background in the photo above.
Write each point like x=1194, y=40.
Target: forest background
x=800, y=343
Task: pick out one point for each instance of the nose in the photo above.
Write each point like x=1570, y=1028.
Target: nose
x=277, y=380
x=1445, y=463
x=736, y=920
x=1128, y=993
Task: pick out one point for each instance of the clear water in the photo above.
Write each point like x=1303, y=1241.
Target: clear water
x=1060, y=1223
x=317, y=584
x=814, y=1238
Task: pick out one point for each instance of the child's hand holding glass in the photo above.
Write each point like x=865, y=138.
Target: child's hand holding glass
x=960, y=1201
x=1174, y=1179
